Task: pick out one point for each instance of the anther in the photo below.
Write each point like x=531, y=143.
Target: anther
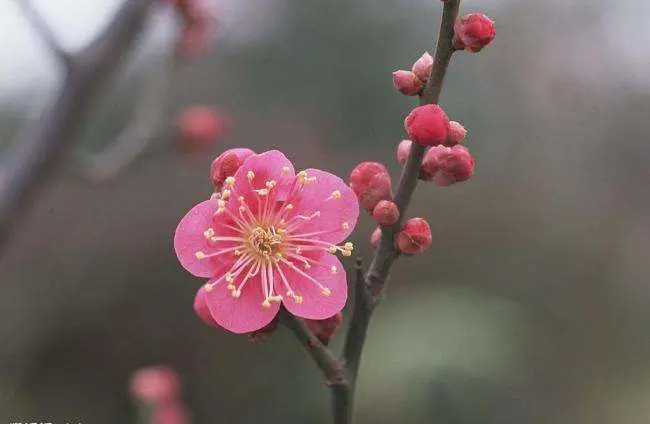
x=285, y=169
x=199, y=255
x=225, y=194
x=326, y=292
x=333, y=269
x=250, y=175
x=345, y=226
x=208, y=287
x=236, y=293
x=266, y=303
x=209, y=233
x=230, y=181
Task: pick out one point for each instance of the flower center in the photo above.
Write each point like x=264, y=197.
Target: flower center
x=265, y=242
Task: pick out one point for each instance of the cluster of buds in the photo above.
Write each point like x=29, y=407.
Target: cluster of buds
x=371, y=182
x=445, y=162
x=201, y=126
x=198, y=23
x=411, y=83
x=157, y=391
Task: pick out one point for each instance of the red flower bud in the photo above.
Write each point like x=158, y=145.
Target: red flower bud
x=375, y=238
x=200, y=126
x=371, y=183
x=422, y=67
x=324, y=329
x=414, y=237
x=226, y=164
x=457, y=133
x=403, y=150
x=427, y=125
x=430, y=163
x=386, y=212
x=407, y=83
x=472, y=32
x=456, y=164
x=155, y=385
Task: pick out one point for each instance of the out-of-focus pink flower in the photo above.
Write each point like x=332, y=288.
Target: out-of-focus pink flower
x=270, y=237
x=407, y=83
x=226, y=164
x=170, y=413
x=201, y=126
x=427, y=125
x=370, y=181
x=422, y=67
x=403, y=150
x=414, y=237
x=198, y=26
x=155, y=385
x=472, y=32
x=386, y=212
x=324, y=329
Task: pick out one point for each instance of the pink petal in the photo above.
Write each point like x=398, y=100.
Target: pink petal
x=201, y=308
x=333, y=212
x=314, y=304
x=189, y=239
x=243, y=314
x=267, y=166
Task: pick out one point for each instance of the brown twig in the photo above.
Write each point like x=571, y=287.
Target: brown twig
x=369, y=289
x=38, y=146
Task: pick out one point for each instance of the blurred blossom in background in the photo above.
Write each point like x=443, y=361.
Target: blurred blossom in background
x=530, y=307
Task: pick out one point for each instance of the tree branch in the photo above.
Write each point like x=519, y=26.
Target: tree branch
x=37, y=147
x=370, y=290
x=44, y=31
x=322, y=356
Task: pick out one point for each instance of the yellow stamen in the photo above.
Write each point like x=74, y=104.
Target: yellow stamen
x=199, y=255
x=230, y=181
x=250, y=175
x=333, y=269
x=326, y=292
x=345, y=226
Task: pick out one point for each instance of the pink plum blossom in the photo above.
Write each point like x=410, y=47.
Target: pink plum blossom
x=269, y=238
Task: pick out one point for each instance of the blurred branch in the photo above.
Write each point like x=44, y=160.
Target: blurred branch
x=370, y=289
x=143, y=128
x=32, y=155
x=44, y=31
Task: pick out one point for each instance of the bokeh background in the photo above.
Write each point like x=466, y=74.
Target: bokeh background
x=530, y=307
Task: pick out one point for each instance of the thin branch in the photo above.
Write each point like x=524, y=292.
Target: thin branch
x=370, y=289
x=44, y=31
x=38, y=146
x=143, y=128
x=322, y=356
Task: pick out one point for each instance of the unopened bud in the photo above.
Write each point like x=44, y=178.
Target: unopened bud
x=407, y=83
x=427, y=125
x=472, y=32
x=324, y=329
x=226, y=164
x=414, y=237
x=456, y=164
x=371, y=183
x=456, y=133
x=431, y=163
x=423, y=66
x=386, y=212
x=202, y=310
x=403, y=150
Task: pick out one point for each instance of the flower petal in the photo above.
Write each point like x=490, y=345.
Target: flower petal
x=268, y=166
x=334, y=200
x=189, y=239
x=201, y=308
x=243, y=314
x=314, y=304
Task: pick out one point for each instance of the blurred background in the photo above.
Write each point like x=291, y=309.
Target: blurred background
x=530, y=307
